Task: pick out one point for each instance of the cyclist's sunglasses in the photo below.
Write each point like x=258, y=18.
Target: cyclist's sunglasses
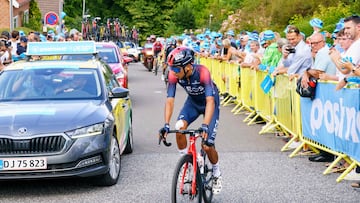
x=175, y=69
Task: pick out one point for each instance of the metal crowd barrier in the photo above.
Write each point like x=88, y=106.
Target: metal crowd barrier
x=280, y=107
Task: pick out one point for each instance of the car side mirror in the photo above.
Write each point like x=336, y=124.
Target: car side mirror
x=119, y=92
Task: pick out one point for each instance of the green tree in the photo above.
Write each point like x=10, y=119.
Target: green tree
x=34, y=17
x=183, y=17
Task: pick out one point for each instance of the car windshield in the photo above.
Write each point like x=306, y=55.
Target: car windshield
x=47, y=84
x=107, y=54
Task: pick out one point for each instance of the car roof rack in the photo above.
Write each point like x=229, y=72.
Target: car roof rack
x=60, y=48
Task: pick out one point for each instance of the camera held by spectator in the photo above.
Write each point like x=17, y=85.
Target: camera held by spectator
x=7, y=43
x=291, y=50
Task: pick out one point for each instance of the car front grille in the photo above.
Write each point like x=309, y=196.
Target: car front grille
x=49, y=144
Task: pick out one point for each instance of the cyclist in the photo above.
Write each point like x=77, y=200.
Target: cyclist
x=171, y=45
x=157, y=49
x=203, y=98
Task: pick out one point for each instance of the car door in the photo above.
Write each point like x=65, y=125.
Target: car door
x=120, y=109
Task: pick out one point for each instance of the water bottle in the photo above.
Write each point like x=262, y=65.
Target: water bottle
x=200, y=160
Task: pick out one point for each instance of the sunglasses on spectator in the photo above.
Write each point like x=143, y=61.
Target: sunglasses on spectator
x=293, y=31
x=316, y=43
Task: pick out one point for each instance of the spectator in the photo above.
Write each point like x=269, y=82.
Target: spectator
x=22, y=46
x=5, y=52
x=14, y=41
x=297, y=56
x=231, y=52
x=271, y=55
x=253, y=59
x=316, y=24
x=350, y=63
x=322, y=64
x=216, y=47
x=20, y=50
x=344, y=43
x=231, y=36
x=351, y=56
x=244, y=46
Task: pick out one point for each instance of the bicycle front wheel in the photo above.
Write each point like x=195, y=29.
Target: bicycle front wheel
x=207, y=180
x=182, y=180
x=156, y=67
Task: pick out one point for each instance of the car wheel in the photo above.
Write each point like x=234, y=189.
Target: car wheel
x=112, y=175
x=129, y=142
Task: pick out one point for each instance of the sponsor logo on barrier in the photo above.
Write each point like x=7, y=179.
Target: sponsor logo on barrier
x=342, y=120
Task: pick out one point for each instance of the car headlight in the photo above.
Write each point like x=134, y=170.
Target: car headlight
x=88, y=131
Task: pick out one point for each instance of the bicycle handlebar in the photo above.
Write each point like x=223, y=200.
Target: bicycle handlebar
x=168, y=144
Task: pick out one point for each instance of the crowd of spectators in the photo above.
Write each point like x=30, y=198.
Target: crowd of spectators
x=321, y=55
x=13, y=45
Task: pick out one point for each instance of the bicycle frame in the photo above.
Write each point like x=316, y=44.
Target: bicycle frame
x=192, y=151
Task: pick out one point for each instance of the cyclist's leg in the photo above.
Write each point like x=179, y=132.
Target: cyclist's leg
x=188, y=114
x=209, y=148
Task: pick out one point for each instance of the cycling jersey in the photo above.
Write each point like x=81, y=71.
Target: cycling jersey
x=157, y=47
x=198, y=87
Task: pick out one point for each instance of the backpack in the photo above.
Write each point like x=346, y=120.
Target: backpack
x=309, y=91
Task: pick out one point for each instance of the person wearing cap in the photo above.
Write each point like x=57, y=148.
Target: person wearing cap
x=272, y=55
x=316, y=24
x=215, y=47
x=22, y=45
x=244, y=46
x=349, y=61
x=231, y=36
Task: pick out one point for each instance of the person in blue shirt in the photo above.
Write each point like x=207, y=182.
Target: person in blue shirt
x=203, y=99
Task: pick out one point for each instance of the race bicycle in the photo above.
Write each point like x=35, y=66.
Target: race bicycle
x=157, y=64
x=192, y=180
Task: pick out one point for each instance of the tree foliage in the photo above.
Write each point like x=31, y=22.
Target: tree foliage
x=184, y=17
x=169, y=17
x=34, y=16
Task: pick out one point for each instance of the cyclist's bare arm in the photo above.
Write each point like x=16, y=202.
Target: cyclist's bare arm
x=169, y=107
x=209, y=109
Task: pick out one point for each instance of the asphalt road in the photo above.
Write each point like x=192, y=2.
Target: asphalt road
x=253, y=168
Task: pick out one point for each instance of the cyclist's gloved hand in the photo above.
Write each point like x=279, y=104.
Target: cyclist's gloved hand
x=165, y=129
x=205, y=130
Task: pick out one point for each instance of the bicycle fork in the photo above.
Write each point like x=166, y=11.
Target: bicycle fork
x=191, y=151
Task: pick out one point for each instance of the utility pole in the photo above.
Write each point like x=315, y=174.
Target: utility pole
x=11, y=16
x=83, y=12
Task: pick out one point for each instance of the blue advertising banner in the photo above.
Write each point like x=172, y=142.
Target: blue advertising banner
x=333, y=119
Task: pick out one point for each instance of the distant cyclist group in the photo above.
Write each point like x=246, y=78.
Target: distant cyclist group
x=113, y=30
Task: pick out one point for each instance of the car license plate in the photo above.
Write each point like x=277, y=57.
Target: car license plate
x=23, y=163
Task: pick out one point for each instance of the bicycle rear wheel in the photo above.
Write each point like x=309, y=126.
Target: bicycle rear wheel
x=185, y=171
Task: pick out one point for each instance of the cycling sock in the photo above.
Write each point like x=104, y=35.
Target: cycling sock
x=216, y=170
x=182, y=151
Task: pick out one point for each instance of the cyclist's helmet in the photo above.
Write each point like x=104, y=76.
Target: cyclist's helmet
x=180, y=57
